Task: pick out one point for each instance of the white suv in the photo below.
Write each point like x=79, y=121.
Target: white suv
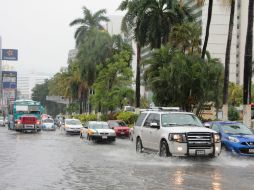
x=174, y=133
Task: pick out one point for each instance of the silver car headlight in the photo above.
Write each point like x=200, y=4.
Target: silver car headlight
x=217, y=138
x=177, y=137
x=233, y=139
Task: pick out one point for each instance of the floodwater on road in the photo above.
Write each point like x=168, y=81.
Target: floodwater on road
x=54, y=160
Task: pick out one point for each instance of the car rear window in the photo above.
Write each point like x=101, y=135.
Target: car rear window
x=117, y=124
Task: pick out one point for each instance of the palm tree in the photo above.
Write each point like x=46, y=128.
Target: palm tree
x=134, y=23
x=150, y=22
x=248, y=66
x=89, y=21
x=186, y=37
x=227, y=59
x=160, y=17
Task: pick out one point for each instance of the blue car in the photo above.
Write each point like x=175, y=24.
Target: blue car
x=48, y=124
x=235, y=137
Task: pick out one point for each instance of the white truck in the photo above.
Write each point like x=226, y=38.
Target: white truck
x=175, y=133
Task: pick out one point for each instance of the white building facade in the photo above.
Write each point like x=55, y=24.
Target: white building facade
x=27, y=81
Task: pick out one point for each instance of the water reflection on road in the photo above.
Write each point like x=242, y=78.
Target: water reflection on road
x=54, y=160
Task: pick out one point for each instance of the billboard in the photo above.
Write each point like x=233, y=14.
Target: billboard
x=9, y=88
x=10, y=54
x=9, y=79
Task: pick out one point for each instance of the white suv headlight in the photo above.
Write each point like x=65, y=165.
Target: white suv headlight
x=177, y=137
x=233, y=139
x=216, y=138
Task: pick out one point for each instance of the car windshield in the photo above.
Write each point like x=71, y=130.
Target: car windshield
x=236, y=129
x=48, y=121
x=180, y=119
x=98, y=126
x=72, y=122
x=117, y=124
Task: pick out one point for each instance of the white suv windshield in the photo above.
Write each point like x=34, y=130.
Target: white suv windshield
x=180, y=119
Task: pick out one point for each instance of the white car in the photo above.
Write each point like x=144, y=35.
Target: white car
x=174, y=133
x=98, y=131
x=48, y=124
x=72, y=126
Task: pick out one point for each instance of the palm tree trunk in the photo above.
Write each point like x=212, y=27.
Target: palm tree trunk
x=138, y=76
x=227, y=61
x=248, y=67
x=81, y=104
x=209, y=18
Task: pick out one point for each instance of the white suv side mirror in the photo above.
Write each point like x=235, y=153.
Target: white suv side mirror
x=207, y=125
x=154, y=125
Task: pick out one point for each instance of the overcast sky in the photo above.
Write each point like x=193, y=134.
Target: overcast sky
x=40, y=30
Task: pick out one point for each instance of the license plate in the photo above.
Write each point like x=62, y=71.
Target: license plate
x=200, y=152
x=122, y=133
x=104, y=137
x=29, y=126
x=251, y=150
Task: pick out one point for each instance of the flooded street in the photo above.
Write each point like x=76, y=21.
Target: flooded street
x=54, y=160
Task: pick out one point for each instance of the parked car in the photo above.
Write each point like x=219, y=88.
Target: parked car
x=2, y=123
x=235, y=137
x=98, y=131
x=48, y=124
x=175, y=133
x=72, y=126
x=120, y=127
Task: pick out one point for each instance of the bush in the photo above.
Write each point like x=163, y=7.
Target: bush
x=127, y=117
x=86, y=117
x=233, y=114
x=110, y=116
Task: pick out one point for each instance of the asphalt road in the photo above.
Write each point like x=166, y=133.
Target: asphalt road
x=54, y=160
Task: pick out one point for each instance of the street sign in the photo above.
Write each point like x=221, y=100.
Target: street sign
x=10, y=54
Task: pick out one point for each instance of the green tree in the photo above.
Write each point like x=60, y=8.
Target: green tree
x=186, y=37
x=133, y=23
x=150, y=23
x=88, y=22
x=235, y=94
x=39, y=93
x=174, y=77
x=113, y=84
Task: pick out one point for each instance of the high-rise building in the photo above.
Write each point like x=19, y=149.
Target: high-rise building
x=27, y=81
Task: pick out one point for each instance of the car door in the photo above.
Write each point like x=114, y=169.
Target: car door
x=146, y=132
x=155, y=132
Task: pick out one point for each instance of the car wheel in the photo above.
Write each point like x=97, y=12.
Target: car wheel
x=139, y=146
x=164, y=150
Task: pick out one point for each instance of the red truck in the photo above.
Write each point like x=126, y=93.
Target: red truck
x=28, y=123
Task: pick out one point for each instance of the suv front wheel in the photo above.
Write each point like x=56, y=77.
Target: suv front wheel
x=139, y=146
x=164, y=150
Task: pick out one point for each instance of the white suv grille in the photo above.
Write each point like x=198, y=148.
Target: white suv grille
x=199, y=140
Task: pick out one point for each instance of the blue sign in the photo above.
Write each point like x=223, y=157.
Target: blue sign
x=9, y=79
x=10, y=54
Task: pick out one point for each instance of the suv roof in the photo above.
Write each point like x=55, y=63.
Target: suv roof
x=178, y=112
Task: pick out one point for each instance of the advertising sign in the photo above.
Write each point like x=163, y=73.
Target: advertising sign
x=9, y=79
x=9, y=90
x=10, y=54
